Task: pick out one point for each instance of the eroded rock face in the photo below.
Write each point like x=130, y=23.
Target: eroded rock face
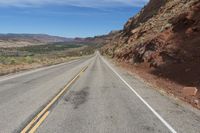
x=158, y=32
x=145, y=14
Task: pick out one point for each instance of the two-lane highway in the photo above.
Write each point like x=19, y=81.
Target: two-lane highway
x=99, y=101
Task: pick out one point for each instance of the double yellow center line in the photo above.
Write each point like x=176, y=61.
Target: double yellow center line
x=41, y=116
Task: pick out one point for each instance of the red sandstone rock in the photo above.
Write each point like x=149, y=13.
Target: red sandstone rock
x=189, y=91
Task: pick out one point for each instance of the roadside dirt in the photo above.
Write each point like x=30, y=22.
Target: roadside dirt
x=13, y=68
x=167, y=85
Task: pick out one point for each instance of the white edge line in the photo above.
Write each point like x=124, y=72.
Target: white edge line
x=153, y=111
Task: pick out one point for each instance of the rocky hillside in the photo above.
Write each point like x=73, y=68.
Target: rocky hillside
x=21, y=40
x=164, y=38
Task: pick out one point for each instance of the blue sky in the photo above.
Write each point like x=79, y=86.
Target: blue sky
x=69, y=18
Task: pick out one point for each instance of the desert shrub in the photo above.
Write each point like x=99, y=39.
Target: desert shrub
x=2, y=60
x=41, y=49
x=13, y=61
x=8, y=60
x=29, y=59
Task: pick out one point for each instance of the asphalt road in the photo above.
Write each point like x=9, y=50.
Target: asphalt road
x=103, y=99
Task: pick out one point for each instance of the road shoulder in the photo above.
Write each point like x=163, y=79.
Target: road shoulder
x=174, y=111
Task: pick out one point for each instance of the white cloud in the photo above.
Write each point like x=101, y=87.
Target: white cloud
x=81, y=3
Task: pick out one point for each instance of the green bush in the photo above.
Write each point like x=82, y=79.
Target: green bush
x=8, y=60
x=29, y=60
x=13, y=61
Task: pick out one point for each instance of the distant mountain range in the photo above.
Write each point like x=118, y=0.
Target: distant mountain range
x=20, y=40
x=36, y=37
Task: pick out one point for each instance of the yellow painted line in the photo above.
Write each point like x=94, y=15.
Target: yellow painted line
x=37, y=117
x=39, y=122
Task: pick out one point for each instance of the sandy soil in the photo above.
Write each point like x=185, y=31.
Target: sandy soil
x=158, y=82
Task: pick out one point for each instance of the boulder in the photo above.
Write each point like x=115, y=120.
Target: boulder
x=189, y=91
